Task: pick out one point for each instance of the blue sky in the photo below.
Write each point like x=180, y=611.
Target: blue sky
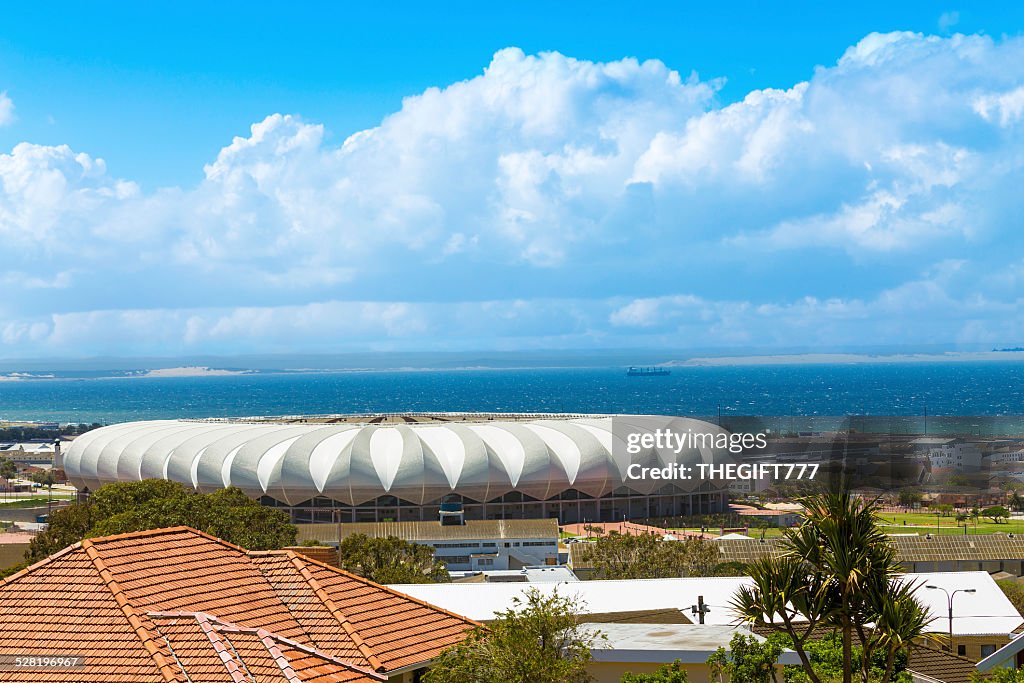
x=181, y=178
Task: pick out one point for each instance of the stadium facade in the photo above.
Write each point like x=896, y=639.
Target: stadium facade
x=405, y=467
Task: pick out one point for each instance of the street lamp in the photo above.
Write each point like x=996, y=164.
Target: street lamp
x=949, y=604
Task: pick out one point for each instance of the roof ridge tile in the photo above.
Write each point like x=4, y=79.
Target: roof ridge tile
x=167, y=531
x=266, y=637
x=217, y=640
x=221, y=625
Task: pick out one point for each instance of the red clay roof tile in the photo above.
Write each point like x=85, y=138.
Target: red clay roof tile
x=276, y=612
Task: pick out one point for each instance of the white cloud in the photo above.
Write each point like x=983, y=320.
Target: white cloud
x=14, y=278
x=532, y=201
x=1006, y=107
x=953, y=299
x=57, y=200
x=6, y=109
x=948, y=20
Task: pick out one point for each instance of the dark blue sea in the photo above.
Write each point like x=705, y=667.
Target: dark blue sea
x=934, y=389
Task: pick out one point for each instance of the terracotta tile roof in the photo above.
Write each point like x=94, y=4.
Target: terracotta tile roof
x=63, y=607
x=321, y=553
x=391, y=629
x=213, y=651
x=940, y=665
x=107, y=599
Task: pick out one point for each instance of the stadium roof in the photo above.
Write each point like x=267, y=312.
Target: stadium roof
x=481, y=458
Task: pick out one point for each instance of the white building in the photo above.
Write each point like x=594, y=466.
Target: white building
x=985, y=612
x=476, y=545
x=1002, y=457
x=38, y=453
x=642, y=648
x=959, y=457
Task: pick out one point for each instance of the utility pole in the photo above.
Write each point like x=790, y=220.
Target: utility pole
x=700, y=609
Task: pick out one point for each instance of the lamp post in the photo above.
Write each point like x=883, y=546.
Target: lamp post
x=949, y=604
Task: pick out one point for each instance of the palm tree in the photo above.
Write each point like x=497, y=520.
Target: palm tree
x=787, y=599
x=900, y=620
x=838, y=570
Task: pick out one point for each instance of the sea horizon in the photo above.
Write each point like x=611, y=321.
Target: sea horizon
x=809, y=390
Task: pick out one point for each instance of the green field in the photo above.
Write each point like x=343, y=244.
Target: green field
x=34, y=503
x=37, y=499
x=924, y=523
x=916, y=523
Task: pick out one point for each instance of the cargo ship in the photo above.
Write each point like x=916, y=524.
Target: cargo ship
x=647, y=372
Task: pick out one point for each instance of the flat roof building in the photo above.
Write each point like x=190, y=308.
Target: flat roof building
x=476, y=545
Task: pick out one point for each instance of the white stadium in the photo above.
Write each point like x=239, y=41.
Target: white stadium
x=404, y=467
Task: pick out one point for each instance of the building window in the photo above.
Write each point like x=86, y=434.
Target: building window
x=961, y=650
x=986, y=650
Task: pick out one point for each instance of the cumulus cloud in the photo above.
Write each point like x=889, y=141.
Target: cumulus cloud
x=1006, y=107
x=6, y=109
x=467, y=210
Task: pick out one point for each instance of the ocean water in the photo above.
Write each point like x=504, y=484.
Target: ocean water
x=935, y=389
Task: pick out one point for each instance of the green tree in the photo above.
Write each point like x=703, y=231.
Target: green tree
x=748, y=660
x=155, y=503
x=908, y=497
x=674, y=672
x=997, y=513
x=66, y=526
x=731, y=568
x=390, y=560
x=945, y=509
x=1014, y=592
x=647, y=556
x=839, y=570
x=44, y=478
x=538, y=639
x=8, y=470
x=1000, y=675
x=826, y=655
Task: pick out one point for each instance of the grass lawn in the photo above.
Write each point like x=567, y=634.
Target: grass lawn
x=916, y=523
x=923, y=523
x=34, y=503
x=753, y=533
